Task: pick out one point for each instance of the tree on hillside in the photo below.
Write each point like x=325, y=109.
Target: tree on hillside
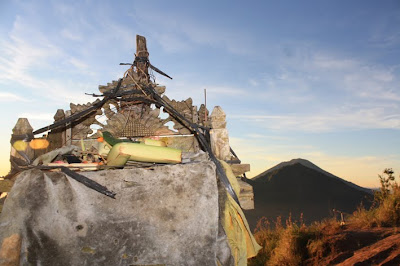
x=388, y=184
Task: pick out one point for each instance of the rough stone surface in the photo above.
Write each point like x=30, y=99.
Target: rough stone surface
x=246, y=196
x=22, y=127
x=164, y=215
x=220, y=143
x=240, y=169
x=56, y=137
x=218, y=118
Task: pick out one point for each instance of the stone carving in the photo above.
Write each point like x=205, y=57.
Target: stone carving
x=130, y=117
x=137, y=121
x=185, y=108
x=81, y=128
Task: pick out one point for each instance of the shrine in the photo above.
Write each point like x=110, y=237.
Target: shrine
x=132, y=178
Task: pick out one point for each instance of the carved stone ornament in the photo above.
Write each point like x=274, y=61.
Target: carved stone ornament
x=132, y=117
x=137, y=121
x=81, y=128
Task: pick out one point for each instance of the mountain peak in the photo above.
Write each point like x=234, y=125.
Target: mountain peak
x=298, y=187
x=310, y=165
x=304, y=162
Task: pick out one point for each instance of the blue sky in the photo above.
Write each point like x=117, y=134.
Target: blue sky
x=318, y=80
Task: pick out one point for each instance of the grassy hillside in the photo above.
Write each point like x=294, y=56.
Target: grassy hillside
x=330, y=241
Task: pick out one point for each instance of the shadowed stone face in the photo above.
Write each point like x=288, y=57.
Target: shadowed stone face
x=163, y=215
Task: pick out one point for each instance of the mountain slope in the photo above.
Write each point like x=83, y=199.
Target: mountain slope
x=295, y=189
x=310, y=165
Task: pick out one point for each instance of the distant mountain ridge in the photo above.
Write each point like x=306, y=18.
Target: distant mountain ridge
x=301, y=190
x=308, y=164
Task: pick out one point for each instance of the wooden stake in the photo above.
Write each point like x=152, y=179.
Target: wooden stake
x=141, y=52
x=205, y=105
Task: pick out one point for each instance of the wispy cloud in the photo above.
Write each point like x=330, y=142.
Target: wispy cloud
x=271, y=137
x=384, y=34
x=11, y=97
x=38, y=116
x=322, y=91
x=335, y=120
x=386, y=40
x=331, y=63
x=37, y=61
x=187, y=86
x=179, y=31
x=22, y=56
x=253, y=82
x=313, y=72
x=79, y=64
x=71, y=35
x=361, y=79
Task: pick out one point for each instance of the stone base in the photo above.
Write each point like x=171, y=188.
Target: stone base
x=164, y=215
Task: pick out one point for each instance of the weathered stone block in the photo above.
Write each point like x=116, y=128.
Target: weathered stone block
x=246, y=196
x=165, y=215
x=220, y=143
x=21, y=127
x=218, y=118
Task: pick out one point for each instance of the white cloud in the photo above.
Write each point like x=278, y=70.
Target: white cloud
x=318, y=91
x=312, y=70
x=21, y=56
x=34, y=61
x=38, y=116
x=362, y=79
x=78, y=63
x=11, y=97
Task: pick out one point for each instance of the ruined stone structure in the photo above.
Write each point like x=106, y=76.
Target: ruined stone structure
x=134, y=112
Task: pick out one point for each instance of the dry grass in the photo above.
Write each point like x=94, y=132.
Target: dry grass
x=386, y=209
x=294, y=242
x=283, y=244
x=385, y=213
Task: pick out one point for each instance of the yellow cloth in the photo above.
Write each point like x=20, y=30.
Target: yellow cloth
x=241, y=240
